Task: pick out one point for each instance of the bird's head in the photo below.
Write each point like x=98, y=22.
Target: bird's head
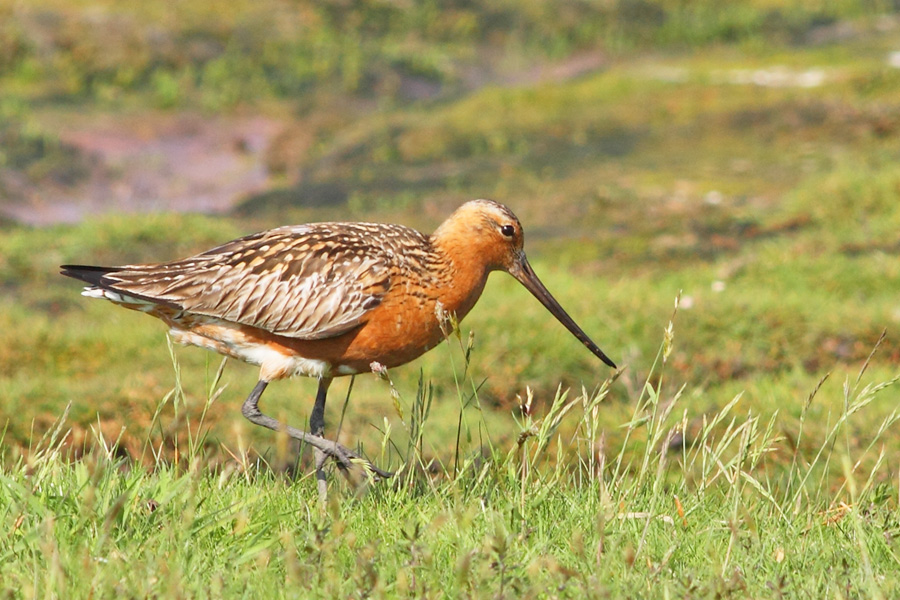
x=488, y=233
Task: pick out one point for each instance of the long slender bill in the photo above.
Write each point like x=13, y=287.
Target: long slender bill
x=525, y=274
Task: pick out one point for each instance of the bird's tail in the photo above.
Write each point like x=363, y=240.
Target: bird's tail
x=86, y=273
x=99, y=286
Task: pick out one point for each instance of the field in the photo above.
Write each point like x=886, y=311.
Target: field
x=739, y=162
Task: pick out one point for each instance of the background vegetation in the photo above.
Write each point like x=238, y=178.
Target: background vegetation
x=742, y=154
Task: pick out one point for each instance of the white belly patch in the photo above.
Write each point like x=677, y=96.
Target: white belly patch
x=273, y=364
x=222, y=337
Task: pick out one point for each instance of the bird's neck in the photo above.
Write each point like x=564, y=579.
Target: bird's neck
x=464, y=273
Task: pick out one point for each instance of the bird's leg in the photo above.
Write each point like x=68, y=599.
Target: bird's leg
x=342, y=455
x=317, y=427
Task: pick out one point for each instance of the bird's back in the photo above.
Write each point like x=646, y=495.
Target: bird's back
x=306, y=282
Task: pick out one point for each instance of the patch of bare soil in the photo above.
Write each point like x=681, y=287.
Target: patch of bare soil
x=572, y=67
x=148, y=163
x=189, y=162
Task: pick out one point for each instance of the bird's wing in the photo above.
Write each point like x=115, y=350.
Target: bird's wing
x=308, y=282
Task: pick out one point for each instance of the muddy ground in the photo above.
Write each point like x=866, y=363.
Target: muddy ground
x=147, y=162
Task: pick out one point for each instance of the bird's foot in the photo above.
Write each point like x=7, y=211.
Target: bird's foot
x=347, y=459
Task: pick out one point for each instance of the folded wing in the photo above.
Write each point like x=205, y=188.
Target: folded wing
x=307, y=282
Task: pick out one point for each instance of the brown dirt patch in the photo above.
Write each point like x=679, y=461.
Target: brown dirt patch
x=150, y=162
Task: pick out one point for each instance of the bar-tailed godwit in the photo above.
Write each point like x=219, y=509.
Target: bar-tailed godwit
x=328, y=299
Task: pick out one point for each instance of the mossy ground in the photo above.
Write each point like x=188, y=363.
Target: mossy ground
x=753, y=173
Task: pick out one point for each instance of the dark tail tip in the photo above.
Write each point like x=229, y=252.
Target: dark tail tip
x=86, y=273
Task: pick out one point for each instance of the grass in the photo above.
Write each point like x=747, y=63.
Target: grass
x=219, y=55
x=746, y=508
x=752, y=456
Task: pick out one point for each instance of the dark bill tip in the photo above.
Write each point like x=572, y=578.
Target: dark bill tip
x=527, y=278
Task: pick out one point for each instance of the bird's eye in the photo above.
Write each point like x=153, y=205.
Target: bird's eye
x=508, y=230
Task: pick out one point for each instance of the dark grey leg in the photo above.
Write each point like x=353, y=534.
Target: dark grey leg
x=340, y=454
x=317, y=427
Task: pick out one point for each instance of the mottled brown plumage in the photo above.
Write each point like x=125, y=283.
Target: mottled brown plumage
x=328, y=299
x=306, y=282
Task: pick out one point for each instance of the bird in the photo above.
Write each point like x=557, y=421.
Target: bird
x=329, y=299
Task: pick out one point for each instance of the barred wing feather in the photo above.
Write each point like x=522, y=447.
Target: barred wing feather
x=307, y=282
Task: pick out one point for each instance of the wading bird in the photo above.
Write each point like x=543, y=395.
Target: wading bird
x=328, y=299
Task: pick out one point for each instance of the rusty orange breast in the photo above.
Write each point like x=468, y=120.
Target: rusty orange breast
x=413, y=317
x=416, y=313
x=406, y=326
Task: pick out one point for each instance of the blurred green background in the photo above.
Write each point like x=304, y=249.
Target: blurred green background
x=744, y=153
